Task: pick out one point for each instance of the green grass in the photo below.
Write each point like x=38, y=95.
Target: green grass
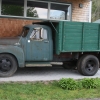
x=42, y=91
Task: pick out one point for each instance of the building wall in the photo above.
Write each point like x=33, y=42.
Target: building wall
x=80, y=14
x=10, y=27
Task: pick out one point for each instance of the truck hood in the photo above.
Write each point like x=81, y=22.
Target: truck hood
x=9, y=41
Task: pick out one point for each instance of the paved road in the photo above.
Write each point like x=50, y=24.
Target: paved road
x=44, y=74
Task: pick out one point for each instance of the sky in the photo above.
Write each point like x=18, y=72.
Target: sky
x=43, y=13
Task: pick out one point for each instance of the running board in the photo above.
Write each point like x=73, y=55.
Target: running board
x=38, y=64
x=42, y=64
x=57, y=63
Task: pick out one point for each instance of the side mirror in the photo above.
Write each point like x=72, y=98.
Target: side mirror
x=41, y=33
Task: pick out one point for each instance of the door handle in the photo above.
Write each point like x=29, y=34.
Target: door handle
x=46, y=41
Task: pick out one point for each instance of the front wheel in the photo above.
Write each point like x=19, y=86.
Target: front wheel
x=8, y=65
x=88, y=65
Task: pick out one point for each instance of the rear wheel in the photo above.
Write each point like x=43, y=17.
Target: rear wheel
x=88, y=65
x=79, y=64
x=8, y=65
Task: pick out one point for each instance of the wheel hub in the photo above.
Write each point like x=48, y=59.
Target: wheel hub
x=90, y=65
x=5, y=65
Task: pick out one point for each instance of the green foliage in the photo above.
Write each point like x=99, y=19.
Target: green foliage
x=89, y=83
x=31, y=12
x=12, y=10
x=69, y=84
x=45, y=91
x=17, y=10
x=97, y=80
x=95, y=10
x=63, y=83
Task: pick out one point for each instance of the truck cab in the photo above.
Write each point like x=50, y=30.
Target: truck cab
x=33, y=48
x=37, y=43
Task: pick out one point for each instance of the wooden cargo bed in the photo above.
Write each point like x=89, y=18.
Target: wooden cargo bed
x=77, y=37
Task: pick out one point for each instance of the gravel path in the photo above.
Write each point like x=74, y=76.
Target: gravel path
x=44, y=74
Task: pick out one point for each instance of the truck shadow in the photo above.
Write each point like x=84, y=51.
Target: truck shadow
x=38, y=71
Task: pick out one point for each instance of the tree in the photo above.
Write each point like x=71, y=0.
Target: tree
x=31, y=12
x=12, y=10
x=95, y=10
x=18, y=10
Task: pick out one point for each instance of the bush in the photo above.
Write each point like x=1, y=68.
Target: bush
x=69, y=84
x=89, y=83
x=63, y=83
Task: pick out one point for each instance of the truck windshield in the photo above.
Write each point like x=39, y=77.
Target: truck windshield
x=25, y=31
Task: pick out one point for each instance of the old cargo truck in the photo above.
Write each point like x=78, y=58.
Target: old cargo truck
x=48, y=43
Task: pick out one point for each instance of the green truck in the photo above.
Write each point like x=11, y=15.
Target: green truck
x=52, y=43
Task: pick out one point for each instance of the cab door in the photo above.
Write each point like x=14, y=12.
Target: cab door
x=40, y=45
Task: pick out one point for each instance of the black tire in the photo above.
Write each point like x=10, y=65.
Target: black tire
x=8, y=65
x=88, y=65
x=79, y=64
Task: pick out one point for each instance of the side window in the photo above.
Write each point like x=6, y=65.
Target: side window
x=35, y=34
x=39, y=33
x=25, y=31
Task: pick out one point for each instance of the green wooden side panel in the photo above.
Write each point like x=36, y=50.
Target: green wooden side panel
x=59, y=37
x=72, y=36
x=77, y=37
x=90, y=36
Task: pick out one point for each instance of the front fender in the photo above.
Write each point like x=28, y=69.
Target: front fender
x=16, y=51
